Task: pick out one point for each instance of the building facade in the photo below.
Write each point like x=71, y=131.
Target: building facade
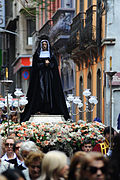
x=17, y=47
x=95, y=52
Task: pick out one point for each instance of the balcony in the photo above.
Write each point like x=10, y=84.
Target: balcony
x=60, y=31
x=88, y=36
x=45, y=28
x=77, y=27
x=83, y=35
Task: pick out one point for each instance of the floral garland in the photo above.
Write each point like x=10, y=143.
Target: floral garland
x=65, y=136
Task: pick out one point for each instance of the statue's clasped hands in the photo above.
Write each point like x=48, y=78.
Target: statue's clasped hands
x=47, y=62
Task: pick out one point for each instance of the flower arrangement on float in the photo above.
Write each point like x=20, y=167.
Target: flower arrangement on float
x=65, y=136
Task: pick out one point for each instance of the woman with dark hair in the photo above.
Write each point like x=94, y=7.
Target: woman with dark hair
x=114, y=162
x=45, y=94
x=75, y=165
x=13, y=174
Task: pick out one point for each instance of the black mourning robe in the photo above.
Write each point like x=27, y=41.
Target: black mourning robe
x=45, y=93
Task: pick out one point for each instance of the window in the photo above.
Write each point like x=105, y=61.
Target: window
x=66, y=3
x=89, y=3
x=89, y=114
x=99, y=93
x=81, y=5
x=30, y=29
x=81, y=96
x=71, y=79
x=46, y=10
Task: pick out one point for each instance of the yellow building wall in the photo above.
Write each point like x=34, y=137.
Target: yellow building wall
x=93, y=68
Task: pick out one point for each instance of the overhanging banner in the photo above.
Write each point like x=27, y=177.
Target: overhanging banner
x=2, y=13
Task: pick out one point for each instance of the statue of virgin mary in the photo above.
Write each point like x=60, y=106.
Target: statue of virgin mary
x=45, y=93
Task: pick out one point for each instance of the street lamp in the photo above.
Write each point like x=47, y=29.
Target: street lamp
x=75, y=100
x=19, y=102
x=111, y=74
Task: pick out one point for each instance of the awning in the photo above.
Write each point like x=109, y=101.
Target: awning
x=22, y=61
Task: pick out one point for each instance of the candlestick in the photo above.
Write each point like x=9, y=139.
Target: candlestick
x=110, y=63
x=6, y=73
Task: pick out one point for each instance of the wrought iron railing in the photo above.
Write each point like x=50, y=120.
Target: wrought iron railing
x=88, y=35
x=75, y=33
x=61, y=24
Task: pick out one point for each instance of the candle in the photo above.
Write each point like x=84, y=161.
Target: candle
x=110, y=63
x=6, y=73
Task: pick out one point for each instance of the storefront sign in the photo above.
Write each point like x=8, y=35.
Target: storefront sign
x=21, y=63
x=2, y=13
x=25, y=74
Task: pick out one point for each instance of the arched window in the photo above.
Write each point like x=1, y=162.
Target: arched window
x=81, y=95
x=89, y=85
x=89, y=3
x=71, y=79
x=99, y=93
x=81, y=5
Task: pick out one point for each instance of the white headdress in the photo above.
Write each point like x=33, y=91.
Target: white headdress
x=44, y=54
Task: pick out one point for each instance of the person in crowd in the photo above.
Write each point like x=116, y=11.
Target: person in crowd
x=13, y=174
x=54, y=166
x=97, y=119
x=9, y=155
x=87, y=145
x=33, y=163
x=20, y=161
x=75, y=165
x=4, y=165
x=45, y=84
x=1, y=116
x=14, y=117
x=104, y=146
x=2, y=177
x=94, y=167
x=24, y=150
x=114, y=160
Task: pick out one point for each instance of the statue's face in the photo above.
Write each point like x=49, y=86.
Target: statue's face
x=44, y=46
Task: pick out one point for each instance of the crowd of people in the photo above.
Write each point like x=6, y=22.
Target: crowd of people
x=24, y=160
x=13, y=117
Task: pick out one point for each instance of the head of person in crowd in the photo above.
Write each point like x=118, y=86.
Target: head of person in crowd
x=97, y=119
x=94, y=167
x=14, y=117
x=26, y=147
x=107, y=133
x=87, y=145
x=1, y=142
x=75, y=165
x=2, y=177
x=116, y=143
x=54, y=165
x=8, y=146
x=16, y=148
x=4, y=165
x=33, y=162
x=114, y=162
x=13, y=174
